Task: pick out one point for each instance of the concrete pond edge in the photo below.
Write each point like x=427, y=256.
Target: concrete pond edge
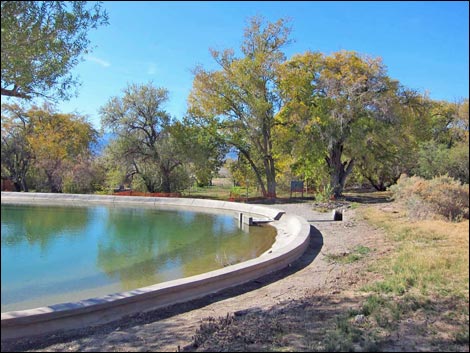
x=291, y=241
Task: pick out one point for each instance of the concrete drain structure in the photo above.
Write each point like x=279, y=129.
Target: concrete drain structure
x=291, y=241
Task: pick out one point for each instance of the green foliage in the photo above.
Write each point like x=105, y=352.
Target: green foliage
x=329, y=97
x=241, y=99
x=437, y=159
x=445, y=151
x=16, y=151
x=349, y=257
x=117, y=171
x=241, y=172
x=41, y=42
x=325, y=194
x=441, y=196
x=204, y=152
x=316, y=118
x=432, y=159
x=146, y=147
x=387, y=150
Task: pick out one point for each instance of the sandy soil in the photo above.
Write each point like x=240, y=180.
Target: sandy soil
x=313, y=275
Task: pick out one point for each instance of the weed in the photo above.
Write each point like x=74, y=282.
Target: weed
x=347, y=337
x=349, y=257
x=325, y=194
x=372, y=304
x=462, y=337
x=354, y=205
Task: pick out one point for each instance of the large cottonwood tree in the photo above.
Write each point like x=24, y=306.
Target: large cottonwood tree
x=332, y=96
x=241, y=98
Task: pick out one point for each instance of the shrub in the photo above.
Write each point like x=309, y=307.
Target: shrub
x=441, y=196
x=437, y=159
x=325, y=194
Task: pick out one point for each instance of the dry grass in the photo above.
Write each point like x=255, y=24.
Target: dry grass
x=432, y=255
x=425, y=280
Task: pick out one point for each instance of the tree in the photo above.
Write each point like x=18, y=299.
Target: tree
x=385, y=149
x=143, y=129
x=16, y=151
x=334, y=95
x=385, y=153
x=240, y=171
x=445, y=151
x=43, y=144
x=58, y=141
x=204, y=152
x=85, y=176
x=241, y=99
x=41, y=42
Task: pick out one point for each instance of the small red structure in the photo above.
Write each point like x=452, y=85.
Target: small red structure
x=7, y=185
x=147, y=194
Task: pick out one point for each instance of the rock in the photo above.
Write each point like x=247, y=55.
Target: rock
x=359, y=319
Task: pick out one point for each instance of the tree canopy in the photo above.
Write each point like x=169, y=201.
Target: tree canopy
x=41, y=42
x=333, y=96
x=242, y=97
x=325, y=119
x=143, y=130
x=41, y=140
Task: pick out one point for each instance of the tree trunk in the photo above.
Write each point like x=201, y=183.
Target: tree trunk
x=52, y=183
x=268, y=159
x=149, y=183
x=23, y=184
x=166, y=179
x=270, y=177
x=17, y=186
x=378, y=185
x=255, y=169
x=339, y=171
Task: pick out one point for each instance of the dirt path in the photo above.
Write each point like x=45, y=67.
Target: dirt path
x=313, y=274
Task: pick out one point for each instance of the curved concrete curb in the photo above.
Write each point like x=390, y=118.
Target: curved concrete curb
x=291, y=242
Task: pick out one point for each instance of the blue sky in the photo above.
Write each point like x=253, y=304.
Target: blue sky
x=425, y=45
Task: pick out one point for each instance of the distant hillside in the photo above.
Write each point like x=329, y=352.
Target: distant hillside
x=101, y=143
x=104, y=140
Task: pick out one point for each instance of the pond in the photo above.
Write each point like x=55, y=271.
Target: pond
x=55, y=254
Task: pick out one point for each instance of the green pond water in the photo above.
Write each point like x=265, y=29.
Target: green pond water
x=53, y=254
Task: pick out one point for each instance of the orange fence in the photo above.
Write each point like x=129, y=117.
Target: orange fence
x=147, y=194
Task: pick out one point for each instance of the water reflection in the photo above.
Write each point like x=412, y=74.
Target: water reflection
x=39, y=225
x=70, y=252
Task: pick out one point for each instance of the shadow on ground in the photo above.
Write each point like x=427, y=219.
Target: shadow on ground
x=359, y=196
x=366, y=199
x=329, y=322
x=130, y=322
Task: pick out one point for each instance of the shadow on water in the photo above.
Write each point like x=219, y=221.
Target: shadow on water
x=312, y=251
